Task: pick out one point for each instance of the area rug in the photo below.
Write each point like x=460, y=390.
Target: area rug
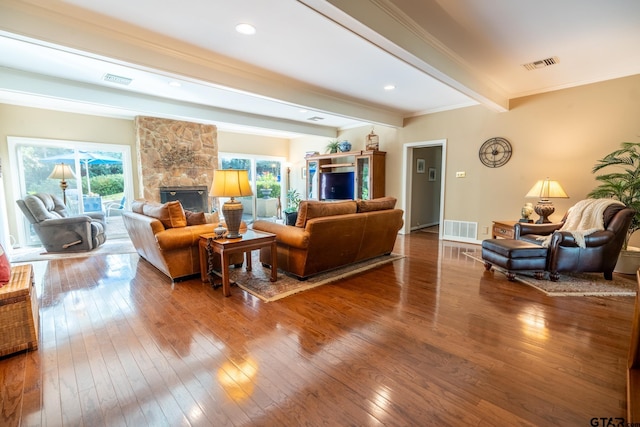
x=110, y=247
x=257, y=283
x=575, y=284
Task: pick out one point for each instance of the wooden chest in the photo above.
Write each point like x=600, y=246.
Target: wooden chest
x=19, y=317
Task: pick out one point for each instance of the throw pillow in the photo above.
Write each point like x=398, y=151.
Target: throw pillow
x=170, y=214
x=195, y=218
x=138, y=206
x=176, y=214
x=5, y=267
x=212, y=218
x=379, y=204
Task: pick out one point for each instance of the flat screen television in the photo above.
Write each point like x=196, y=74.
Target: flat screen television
x=337, y=185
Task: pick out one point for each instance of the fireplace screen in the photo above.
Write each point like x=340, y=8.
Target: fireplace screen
x=192, y=198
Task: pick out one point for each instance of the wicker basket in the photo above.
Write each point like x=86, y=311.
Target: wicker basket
x=19, y=312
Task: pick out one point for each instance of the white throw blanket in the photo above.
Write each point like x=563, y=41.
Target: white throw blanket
x=584, y=218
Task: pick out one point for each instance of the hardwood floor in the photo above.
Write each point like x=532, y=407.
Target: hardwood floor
x=431, y=339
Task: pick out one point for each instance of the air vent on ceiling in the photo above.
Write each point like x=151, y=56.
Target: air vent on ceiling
x=315, y=118
x=541, y=63
x=112, y=78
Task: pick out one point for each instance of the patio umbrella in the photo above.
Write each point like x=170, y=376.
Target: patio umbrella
x=86, y=157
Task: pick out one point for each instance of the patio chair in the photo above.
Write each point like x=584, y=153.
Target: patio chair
x=115, y=207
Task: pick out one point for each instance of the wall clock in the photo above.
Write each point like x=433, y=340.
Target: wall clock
x=495, y=152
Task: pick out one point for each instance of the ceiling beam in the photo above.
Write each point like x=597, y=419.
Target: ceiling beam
x=386, y=26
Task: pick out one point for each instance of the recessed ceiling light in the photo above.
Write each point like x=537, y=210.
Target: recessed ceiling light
x=175, y=84
x=246, y=29
x=389, y=87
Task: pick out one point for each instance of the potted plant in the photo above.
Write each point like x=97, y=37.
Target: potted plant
x=293, y=203
x=333, y=146
x=623, y=184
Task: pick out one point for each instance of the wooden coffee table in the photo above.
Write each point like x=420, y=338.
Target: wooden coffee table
x=250, y=240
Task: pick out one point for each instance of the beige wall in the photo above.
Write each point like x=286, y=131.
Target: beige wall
x=230, y=142
x=559, y=134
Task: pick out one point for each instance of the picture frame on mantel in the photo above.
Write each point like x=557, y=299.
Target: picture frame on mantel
x=420, y=166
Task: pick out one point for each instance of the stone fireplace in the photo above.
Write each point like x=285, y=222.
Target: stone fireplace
x=173, y=153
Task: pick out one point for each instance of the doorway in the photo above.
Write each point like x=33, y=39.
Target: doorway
x=423, y=184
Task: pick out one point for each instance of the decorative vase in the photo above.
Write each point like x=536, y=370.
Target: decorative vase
x=291, y=217
x=526, y=212
x=219, y=231
x=344, y=146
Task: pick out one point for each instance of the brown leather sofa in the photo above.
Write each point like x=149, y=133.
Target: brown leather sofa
x=328, y=235
x=564, y=254
x=167, y=236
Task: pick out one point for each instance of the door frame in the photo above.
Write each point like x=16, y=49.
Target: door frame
x=407, y=182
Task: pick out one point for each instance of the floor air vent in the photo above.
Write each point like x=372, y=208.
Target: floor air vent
x=462, y=231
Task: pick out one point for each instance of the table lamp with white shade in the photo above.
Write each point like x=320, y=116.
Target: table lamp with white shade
x=231, y=183
x=544, y=190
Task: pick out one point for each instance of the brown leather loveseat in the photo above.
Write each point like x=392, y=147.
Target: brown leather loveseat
x=328, y=235
x=167, y=236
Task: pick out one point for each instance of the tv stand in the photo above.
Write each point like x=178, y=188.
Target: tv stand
x=368, y=168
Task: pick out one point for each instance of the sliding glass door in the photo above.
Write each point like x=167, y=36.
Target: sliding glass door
x=95, y=175
x=265, y=176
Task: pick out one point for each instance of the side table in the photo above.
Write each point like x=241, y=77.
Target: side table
x=250, y=240
x=504, y=229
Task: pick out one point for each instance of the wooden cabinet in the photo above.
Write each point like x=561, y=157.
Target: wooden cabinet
x=351, y=175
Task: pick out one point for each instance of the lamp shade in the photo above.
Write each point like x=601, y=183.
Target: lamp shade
x=230, y=183
x=547, y=189
x=62, y=171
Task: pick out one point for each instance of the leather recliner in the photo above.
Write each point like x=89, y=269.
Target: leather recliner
x=564, y=254
x=57, y=230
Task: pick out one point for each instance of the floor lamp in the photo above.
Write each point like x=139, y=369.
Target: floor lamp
x=231, y=183
x=62, y=172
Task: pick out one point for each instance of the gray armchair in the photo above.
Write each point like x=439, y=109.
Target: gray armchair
x=58, y=231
